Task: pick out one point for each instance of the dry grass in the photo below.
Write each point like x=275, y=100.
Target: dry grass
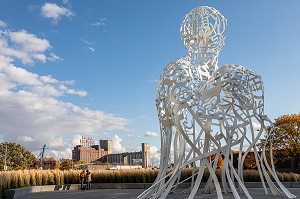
x=25, y=178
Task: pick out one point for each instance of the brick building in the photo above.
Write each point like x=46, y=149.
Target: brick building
x=87, y=151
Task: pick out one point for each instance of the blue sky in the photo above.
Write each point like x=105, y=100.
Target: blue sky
x=72, y=68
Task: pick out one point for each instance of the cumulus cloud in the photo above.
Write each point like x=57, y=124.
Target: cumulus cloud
x=154, y=156
x=116, y=145
x=54, y=12
x=150, y=134
x=2, y=23
x=26, y=47
x=256, y=125
x=32, y=112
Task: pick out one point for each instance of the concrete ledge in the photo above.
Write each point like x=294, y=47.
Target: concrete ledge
x=20, y=192
x=295, y=184
x=111, y=186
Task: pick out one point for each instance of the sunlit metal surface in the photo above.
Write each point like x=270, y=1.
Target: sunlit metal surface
x=206, y=111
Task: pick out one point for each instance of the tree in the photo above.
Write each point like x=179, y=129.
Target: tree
x=286, y=138
x=66, y=164
x=16, y=156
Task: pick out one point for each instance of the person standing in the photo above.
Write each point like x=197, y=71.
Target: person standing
x=88, y=178
x=82, y=178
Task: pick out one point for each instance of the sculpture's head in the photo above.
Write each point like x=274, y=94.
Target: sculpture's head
x=202, y=30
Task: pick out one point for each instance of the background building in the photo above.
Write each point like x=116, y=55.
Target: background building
x=128, y=158
x=106, y=145
x=87, y=151
x=146, y=155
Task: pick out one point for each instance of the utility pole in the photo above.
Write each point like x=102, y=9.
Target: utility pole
x=5, y=155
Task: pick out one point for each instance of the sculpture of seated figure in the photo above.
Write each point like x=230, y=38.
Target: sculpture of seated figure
x=205, y=111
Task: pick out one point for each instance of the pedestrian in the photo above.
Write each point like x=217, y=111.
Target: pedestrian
x=88, y=178
x=82, y=178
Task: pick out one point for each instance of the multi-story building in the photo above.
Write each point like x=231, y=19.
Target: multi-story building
x=127, y=158
x=87, y=151
x=106, y=145
x=48, y=163
x=146, y=155
x=90, y=152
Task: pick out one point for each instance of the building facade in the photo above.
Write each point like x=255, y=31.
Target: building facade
x=128, y=158
x=87, y=151
x=146, y=155
x=106, y=145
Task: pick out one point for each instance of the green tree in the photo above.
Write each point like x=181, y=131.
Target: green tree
x=17, y=157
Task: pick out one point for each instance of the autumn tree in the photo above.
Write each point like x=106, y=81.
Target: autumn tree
x=286, y=138
x=66, y=164
x=16, y=156
x=250, y=162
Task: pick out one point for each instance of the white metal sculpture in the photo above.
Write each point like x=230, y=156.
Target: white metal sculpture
x=204, y=111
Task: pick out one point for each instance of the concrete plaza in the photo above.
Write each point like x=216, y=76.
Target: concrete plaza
x=257, y=193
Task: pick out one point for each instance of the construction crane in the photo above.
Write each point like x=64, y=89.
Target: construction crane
x=42, y=156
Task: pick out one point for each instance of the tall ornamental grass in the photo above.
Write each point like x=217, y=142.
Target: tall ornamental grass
x=25, y=178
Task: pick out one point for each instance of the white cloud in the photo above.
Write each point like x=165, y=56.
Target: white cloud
x=25, y=138
x=150, y=134
x=27, y=48
x=256, y=125
x=54, y=12
x=154, y=156
x=152, y=80
x=76, y=140
x=29, y=42
x=116, y=145
x=89, y=45
x=31, y=112
x=133, y=136
x=99, y=22
x=2, y=23
x=91, y=49
x=54, y=57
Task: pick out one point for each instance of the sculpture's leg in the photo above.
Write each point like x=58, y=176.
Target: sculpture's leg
x=208, y=185
x=166, y=138
x=207, y=130
x=240, y=182
x=176, y=170
x=225, y=166
x=272, y=170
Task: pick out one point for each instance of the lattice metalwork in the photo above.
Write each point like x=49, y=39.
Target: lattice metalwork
x=206, y=111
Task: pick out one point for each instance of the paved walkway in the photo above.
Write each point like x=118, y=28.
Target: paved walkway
x=257, y=193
